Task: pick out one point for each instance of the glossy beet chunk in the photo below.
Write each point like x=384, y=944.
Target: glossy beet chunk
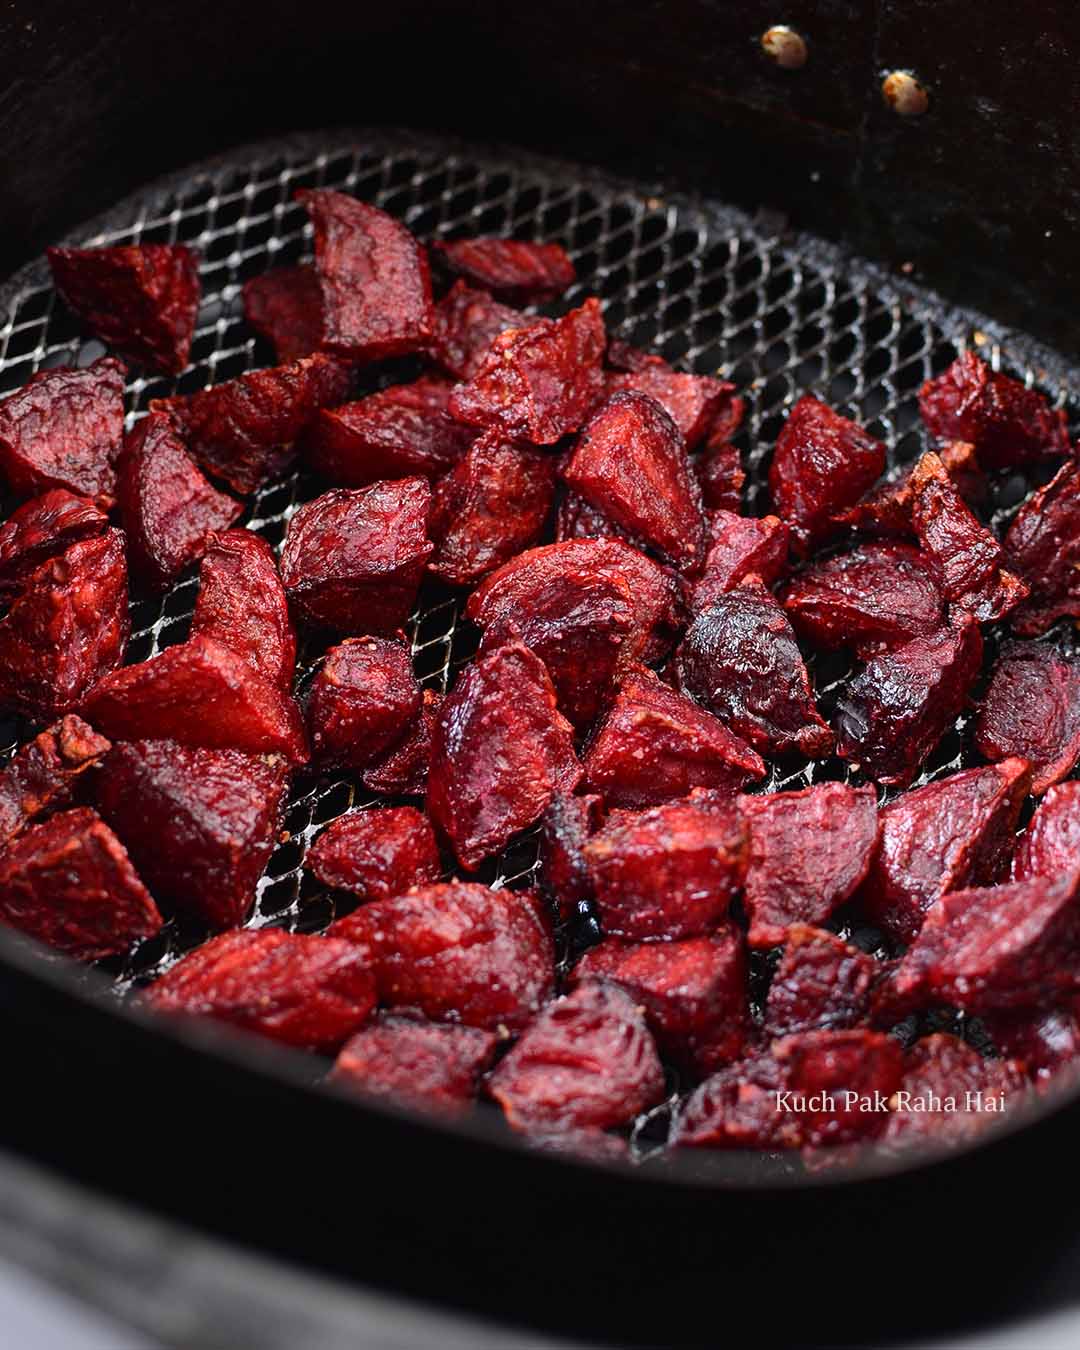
x=376, y=854
x=949, y=1093
x=425, y=1066
x=517, y=269
x=1050, y=846
x=564, y=874
x=1032, y=709
x=576, y=518
x=738, y=547
x=362, y=702
x=42, y=774
x=720, y=475
x=40, y=529
x=1043, y=547
x=886, y=511
x=467, y=322
x=285, y=307
x=821, y=984
x=403, y=771
x=695, y=403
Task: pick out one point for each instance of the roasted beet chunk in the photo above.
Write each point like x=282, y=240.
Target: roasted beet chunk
x=63, y=429
x=740, y=660
x=1043, y=547
x=1032, y=709
x=242, y=605
x=821, y=984
x=42, y=528
x=489, y=508
x=142, y=299
x=567, y=824
x=1041, y=1042
x=199, y=824
x=373, y=278
x=578, y=519
x=655, y=745
x=245, y=430
x=362, y=702
x=311, y=992
x=377, y=854
x=168, y=507
x=670, y=872
x=587, y=1060
x=200, y=694
x=896, y=709
x=513, y=268
x=41, y=774
x=739, y=546
x=720, y=474
x=809, y=850
x=69, y=883
x=878, y=595
x=822, y=464
x=537, y=383
x=353, y=558
x=1051, y=844
x=67, y=629
x=630, y=462
x=695, y=403
x=285, y=307
x=954, y=833
x=458, y=953
x=500, y=748
x=949, y=1093
x=403, y=771
x=693, y=992
x=1006, y=423
x=467, y=322
x=887, y=509
x=427, y=1066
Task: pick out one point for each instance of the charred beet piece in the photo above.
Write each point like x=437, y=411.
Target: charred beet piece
x=821, y=984
x=377, y=854
x=1032, y=709
x=578, y=519
x=631, y=463
x=63, y=429
x=943, y=1069
x=877, y=596
x=458, y=952
x=310, y=992
x=693, y=992
x=951, y=834
x=720, y=475
x=538, y=383
x=1051, y=844
x=500, y=749
x=1043, y=547
x=353, y=558
x=40, y=529
x=467, y=322
x=242, y=605
x=515, y=268
x=655, y=745
x=403, y=771
x=809, y=851
x=670, y=872
x=285, y=307
x=822, y=463
x=68, y=628
x=1040, y=1042
x=168, y=507
x=142, y=299
x=887, y=509
x=567, y=824
x=373, y=279
x=1007, y=423
x=897, y=708
x=362, y=702
x=587, y=1060
x=489, y=508
x=200, y=825
x=739, y=659
x=695, y=403
x=69, y=883
x=200, y=694
x=426, y=1066
x=245, y=430
x=41, y=774
x=739, y=546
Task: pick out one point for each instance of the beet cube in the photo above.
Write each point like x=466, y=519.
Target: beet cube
x=362, y=702
x=886, y=510
x=403, y=771
x=693, y=402
x=1050, y=846
x=821, y=984
x=949, y=1093
x=41, y=774
x=1032, y=709
x=738, y=547
x=376, y=854
x=515, y=268
x=285, y=307
x=564, y=874
x=40, y=529
x=467, y=322
x=1041, y=1042
x=720, y=475
x=1043, y=547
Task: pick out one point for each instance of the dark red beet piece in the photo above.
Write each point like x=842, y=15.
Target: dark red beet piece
x=587, y=1060
x=67, y=628
x=373, y=279
x=822, y=463
x=500, y=749
x=949, y=1093
x=40, y=776
x=1042, y=1042
x=894, y=712
x=670, y=872
x=951, y=834
x=1043, y=547
x=566, y=826
x=426, y=1066
x=467, y=322
x=1050, y=846
x=403, y=771
x=576, y=518
x=887, y=509
x=538, y=383
x=515, y=268
x=63, y=429
x=285, y=307
x=354, y=557
x=489, y=508
x=809, y=851
x=168, y=507
x=376, y=854
x=739, y=546
x=695, y=403
x=310, y=992
x=1032, y=709
x=40, y=529
x=720, y=475
x=362, y=702
x=693, y=992
x=241, y=604
x=458, y=952
x=142, y=299
x=739, y=659
x=1007, y=423
x=69, y=883
x=200, y=694
x=821, y=984
x=655, y=745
